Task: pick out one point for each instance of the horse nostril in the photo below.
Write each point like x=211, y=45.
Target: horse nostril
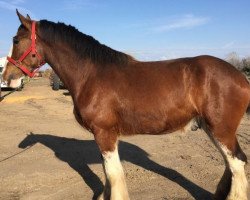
x=11, y=77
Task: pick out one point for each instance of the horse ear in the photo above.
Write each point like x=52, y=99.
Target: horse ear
x=28, y=17
x=24, y=21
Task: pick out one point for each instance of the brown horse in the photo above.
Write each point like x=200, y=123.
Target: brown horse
x=114, y=95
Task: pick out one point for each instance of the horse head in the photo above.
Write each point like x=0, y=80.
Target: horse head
x=27, y=53
x=30, y=140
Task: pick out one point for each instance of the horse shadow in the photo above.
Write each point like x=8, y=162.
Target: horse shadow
x=80, y=153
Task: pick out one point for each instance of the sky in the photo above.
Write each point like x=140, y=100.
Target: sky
x=145, y=29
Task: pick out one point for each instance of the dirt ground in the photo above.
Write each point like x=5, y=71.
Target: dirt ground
x=45, y=154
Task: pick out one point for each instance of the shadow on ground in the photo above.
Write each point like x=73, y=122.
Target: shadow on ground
x=80, y=153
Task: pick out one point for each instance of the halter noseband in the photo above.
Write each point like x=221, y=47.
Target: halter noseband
x=32, y=49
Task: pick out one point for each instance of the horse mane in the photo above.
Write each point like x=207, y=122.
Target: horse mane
x=85, y=46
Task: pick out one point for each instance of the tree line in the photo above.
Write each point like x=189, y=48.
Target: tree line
x=242, y=64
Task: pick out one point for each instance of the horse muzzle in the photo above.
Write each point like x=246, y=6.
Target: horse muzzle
x=15, y=83
x=12, y=80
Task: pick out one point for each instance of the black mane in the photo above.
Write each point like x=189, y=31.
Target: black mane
x=84, y=45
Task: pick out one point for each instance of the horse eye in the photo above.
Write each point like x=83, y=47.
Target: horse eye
x=15, y=40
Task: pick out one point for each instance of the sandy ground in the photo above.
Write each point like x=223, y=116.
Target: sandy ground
x=45, y=154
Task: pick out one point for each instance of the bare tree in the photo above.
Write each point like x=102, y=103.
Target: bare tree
x=246, y=62
x=246, y=66
x=235, y=60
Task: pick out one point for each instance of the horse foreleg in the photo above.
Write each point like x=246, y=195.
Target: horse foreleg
x=115, y=176
x=115, y=187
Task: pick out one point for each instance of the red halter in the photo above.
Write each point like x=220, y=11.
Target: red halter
x=32, y=49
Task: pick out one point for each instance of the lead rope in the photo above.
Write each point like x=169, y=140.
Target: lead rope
x=1, y=99
x=15, y=154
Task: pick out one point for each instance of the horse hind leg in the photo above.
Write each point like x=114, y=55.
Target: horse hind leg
x=233, y=185
x=236, y=161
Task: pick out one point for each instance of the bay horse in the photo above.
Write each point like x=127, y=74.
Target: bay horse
x=116, y=95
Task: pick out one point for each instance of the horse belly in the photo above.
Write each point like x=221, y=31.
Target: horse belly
x=154, y=122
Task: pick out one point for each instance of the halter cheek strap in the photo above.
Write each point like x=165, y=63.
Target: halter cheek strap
x=32, y=49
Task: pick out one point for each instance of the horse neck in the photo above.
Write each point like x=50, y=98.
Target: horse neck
x=71, y=69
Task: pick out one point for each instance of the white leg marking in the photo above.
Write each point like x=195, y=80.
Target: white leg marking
x=239, y=181
x=115, y=175
x=101, y=197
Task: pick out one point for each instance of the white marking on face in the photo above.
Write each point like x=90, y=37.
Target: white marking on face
x=115, y=175
x=15, y=83
x=11, y=51
x=6, y=61
x=239, y=181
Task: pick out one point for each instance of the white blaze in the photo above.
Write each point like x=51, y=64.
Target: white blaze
x=9, y=55
x=14, y=83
